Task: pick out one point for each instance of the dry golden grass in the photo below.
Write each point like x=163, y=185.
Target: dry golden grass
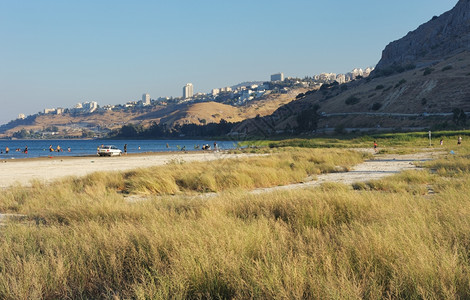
x=82, y=240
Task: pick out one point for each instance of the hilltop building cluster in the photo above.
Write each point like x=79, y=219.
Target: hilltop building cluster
x=235, y=95
x=82, y=107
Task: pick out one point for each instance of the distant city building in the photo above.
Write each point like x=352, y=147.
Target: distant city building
x=146, y=99
x=215, y=92
x=326, y=77
x=367, y=71
x=188, y=91
x=49, y=110
x=90, y=106
x=341, y=78
x=226, y=89
x=277, y=77
x=21, y=116
x=59, y=111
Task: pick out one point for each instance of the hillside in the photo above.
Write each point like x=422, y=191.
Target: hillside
x=68, y=125
x=418, y=83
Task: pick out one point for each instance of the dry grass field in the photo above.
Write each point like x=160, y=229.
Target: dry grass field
x=406, y=236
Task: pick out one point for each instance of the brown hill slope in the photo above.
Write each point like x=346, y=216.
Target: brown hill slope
x=212, y=112
x=417, y=98
x=69, y=125
x=420, y=80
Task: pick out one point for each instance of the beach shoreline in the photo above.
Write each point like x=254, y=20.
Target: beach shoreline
x=67, y=157
x=46, y=170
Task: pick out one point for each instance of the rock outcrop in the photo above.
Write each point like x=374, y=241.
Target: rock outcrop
x=441, y=37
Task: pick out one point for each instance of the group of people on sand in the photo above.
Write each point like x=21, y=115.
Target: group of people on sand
x=208, y=147
x=196, y=147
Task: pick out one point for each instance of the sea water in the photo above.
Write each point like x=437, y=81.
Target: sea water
x=40, y=148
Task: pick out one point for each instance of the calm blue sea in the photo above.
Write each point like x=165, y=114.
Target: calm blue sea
x=40, y=148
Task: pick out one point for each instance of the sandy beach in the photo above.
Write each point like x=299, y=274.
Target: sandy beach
x=48, y=169
x=22, y=171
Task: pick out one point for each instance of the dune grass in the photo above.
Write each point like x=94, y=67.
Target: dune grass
x=407, y=142
x=385, y=239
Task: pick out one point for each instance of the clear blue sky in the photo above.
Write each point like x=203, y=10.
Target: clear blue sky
x=58, y=53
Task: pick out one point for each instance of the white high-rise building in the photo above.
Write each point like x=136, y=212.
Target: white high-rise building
x=188, y=91
x=146, y=99
x=90, y=106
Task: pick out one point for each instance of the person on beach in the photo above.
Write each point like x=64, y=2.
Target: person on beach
x=125, y=149
x=459, y=141
x=51, y=149
x=25, y=150
x=7, y=150
x=441, y=142
x=69, y=149
x=58, y=148
x=215, y=146
x=375, y=146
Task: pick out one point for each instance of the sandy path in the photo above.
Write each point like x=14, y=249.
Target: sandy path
x=381, y=166
x=46, y=170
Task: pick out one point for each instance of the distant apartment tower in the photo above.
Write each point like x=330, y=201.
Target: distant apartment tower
x=215, y=92
x=277, y=77
x=188, y=91
x=21, y=116
x=89, y=106
x=146, y=99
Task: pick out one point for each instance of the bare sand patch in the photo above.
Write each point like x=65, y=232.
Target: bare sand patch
x=48, y=169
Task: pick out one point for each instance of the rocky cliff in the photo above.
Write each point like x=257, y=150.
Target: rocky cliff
x=440, y=38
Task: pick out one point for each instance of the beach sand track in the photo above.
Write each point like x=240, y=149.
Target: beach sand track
x=49, y=169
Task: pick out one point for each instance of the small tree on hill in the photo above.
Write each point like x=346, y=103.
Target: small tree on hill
x=459, y=117
x=307, y=120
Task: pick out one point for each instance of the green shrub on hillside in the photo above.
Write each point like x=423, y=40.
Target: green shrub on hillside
x=352, y=100
x=376, y=106
x=447, y=68
x=428, y=71
x=400, y=83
